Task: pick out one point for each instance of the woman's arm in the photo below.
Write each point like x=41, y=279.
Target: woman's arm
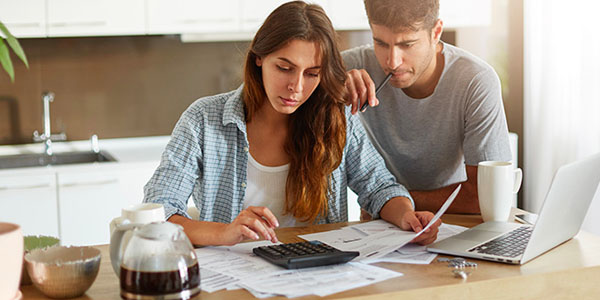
x=252, y=223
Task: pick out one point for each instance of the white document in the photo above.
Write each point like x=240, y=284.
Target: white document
x=321, y=281
x=226, y=266
x=380, y=244
x=375, y=239
x=373, y=227
x=336, y=238
x=417, y=254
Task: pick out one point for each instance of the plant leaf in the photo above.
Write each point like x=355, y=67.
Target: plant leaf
x=5, y=60
x=5, y=30
x=14, y=44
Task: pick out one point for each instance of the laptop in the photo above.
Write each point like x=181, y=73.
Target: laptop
x=566, y=204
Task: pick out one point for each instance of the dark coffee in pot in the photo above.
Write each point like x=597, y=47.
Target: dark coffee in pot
x=160, y=283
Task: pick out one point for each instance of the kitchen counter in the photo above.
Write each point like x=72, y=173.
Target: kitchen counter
x=137, y=150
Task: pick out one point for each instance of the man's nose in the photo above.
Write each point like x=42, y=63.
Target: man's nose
x=394, y=59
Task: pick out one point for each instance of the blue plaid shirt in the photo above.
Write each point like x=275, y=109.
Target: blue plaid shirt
x=207, y=158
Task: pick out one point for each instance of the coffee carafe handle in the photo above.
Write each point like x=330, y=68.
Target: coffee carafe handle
x=117, y=246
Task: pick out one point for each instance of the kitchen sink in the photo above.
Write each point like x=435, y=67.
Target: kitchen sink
x=64, y=158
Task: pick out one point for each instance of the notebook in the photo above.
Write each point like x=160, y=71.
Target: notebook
x=566, y=204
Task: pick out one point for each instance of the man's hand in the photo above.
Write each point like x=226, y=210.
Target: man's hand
x=252, y=223
x=359, y=88
x=416, y=221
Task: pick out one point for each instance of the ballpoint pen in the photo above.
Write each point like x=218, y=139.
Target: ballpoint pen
x=387, y=78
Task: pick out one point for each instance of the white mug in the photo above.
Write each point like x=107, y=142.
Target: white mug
x=11, y=260
x=139, y=214
x=497, y=181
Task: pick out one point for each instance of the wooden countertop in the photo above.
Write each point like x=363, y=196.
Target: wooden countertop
x=570, y=270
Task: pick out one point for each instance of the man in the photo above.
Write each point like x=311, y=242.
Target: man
x=441, y=112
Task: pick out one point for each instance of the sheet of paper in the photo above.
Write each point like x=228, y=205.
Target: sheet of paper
x=321, y=281
x=337, y=237
x=376, y=246
x=214, y=281
x=231, y=264
x=372, y=227
x=417, y=254
x=376, y=239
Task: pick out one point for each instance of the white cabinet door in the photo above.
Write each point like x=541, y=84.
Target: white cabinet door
x=192, y=16
x=87, y=202
x=24, y=18
x=348, y=15
x=95, y=18
x=254, y=13
x=132, y=182
x=30, y=201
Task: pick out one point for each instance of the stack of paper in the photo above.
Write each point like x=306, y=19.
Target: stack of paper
x=237, y=267
x=374, y=238
x=378, y=239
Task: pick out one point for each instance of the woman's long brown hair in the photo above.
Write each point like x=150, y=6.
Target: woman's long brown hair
x=317, y=135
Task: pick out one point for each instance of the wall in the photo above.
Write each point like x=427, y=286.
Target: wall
x=113, y=86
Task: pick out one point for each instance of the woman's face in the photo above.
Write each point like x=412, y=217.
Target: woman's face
x=291, y=74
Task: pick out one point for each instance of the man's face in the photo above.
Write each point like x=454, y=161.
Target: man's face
x=408, y=54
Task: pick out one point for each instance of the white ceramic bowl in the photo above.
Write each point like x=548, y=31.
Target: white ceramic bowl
x=63, y=272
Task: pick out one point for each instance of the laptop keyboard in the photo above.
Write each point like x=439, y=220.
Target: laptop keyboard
x=510, y=244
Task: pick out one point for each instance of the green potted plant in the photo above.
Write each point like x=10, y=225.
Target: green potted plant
x=10, y=39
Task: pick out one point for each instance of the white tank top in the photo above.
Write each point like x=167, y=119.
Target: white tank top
x=266, y=187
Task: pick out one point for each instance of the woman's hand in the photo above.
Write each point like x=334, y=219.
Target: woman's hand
x=252, y=223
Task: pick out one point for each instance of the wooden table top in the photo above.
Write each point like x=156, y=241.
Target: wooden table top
x=570, y=270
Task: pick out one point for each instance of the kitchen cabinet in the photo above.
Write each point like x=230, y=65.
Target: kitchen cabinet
x=27, y=19
x=29, y=199
x=95, y=18
x=90, y=197
x=87, y=202
x=192, y=16
x=348, y=14
x=253, y=15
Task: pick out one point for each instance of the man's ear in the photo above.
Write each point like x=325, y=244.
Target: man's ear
x=258, y=61
x=436, y=33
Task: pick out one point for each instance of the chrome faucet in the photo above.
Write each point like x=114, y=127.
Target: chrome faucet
x=47, y=136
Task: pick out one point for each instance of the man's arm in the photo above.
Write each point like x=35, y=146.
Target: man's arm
x=466, y=202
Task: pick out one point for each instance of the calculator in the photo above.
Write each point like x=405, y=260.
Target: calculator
x=304, y=254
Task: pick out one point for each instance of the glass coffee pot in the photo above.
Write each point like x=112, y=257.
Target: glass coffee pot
x=154, y=261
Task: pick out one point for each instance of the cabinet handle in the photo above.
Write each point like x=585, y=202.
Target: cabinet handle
x=92, y=183
x=25, y=187
x=80, y=24
x=23, y=25
x=202, y=21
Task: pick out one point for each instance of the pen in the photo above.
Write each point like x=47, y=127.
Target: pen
x=387, y=78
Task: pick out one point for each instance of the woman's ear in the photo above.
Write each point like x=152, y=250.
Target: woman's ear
x=258, y=61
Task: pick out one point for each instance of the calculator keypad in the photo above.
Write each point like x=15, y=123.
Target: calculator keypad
x=303, y=254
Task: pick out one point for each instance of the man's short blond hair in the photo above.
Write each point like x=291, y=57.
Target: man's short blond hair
x=400, y=15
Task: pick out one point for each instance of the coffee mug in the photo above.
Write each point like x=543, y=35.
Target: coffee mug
x=11, y=260
x=139, y=214
x=497, y=181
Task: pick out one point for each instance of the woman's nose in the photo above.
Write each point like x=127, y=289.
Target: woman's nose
x=296, y=84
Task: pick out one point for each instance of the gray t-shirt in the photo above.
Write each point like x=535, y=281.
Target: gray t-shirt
x=427, y=142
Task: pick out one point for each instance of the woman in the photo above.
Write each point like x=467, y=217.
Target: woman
x=281, y=149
